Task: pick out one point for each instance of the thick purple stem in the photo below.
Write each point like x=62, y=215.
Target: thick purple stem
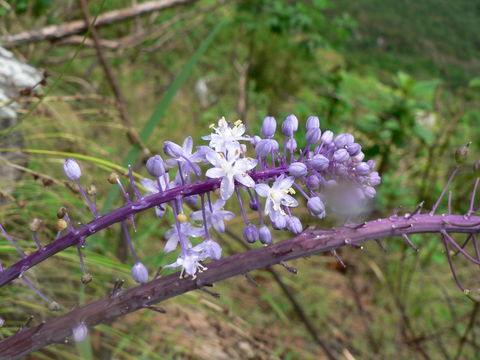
x=116, y=216
x=305, y=244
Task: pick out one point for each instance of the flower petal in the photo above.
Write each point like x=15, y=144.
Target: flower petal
x=187, y=146
x=215, y=173
x=244, y=179
x=262, y=189
x=227, y=187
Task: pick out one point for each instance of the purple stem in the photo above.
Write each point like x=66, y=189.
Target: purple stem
x=126, y=233
x=472, y=199
x=87, y=200
x=132, y=183
x=452, y=175
x=242, y=208
x=12, y=242
x=305, y=244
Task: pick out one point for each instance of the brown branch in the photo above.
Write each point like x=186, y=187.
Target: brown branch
x=112, y=80
x=55, y=32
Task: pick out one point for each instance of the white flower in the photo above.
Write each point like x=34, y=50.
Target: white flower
x=226, y=137
x=189, y=261
x=186, y=230
x=277, y=196
x=214, y=217
x=230, y=169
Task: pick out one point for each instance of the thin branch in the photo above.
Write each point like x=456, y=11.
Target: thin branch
x=112, y=81
x=55, y=32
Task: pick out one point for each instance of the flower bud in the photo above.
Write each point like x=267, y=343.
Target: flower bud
x=327, y=137
x=72, y=169
x=316, y=207
x=319, y=162
x=140, y=273
x=265, y=235
x=291, y=144
x=374, y=179
x=362, y=169
x=313, y=122
x=61, y=224
x=313, y=182
x=476, y=168
x=369, y=192
x=86, y=278
x=250, y=233
x=53, y=306
x=294, y=225
x=297, y=169
x=359, y=157
x=173, y=150
x=354, y=149
x=265, y=147
x=191, y=200
x=343, y=139
x=155, y=166
x=313, y=135
x=36, y=224
x=92, y=190
x=290, y=125
x=113, y=178
x=79, y=332
x=269, y=126
x=341, y=155
x=61, y=212
x=279, y=222
x=253, y=204
x=461, y=154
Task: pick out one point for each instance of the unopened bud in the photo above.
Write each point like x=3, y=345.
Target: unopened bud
x=36, y=224
x=140, y=273
x=313, y=122
x=297, y=169
x=294, y=225
x=461, y=154
x=319, y=162
x=265, y=235
x=269, y=126
x=79, y=333
x=86, y=278
x=290, y=125
x=92, y=190
x=54, y=306
x=72, y=169
x=313, y=135
x=113, y=178
x=253, y=204
x=316, y=207
x=250, y=233
x=61, y=212
x=155, y=166
x=61, y=224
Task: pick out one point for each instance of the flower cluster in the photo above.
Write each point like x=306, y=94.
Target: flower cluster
x=328, y=164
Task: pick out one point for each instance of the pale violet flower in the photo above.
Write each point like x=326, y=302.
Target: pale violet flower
x=230, y=169
x=226, y=137
x=186, y=230
x=189, y=261
x=209, y=248
x=215, y=217
x=277, y=196
x=152, y=188
x=183, y=156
